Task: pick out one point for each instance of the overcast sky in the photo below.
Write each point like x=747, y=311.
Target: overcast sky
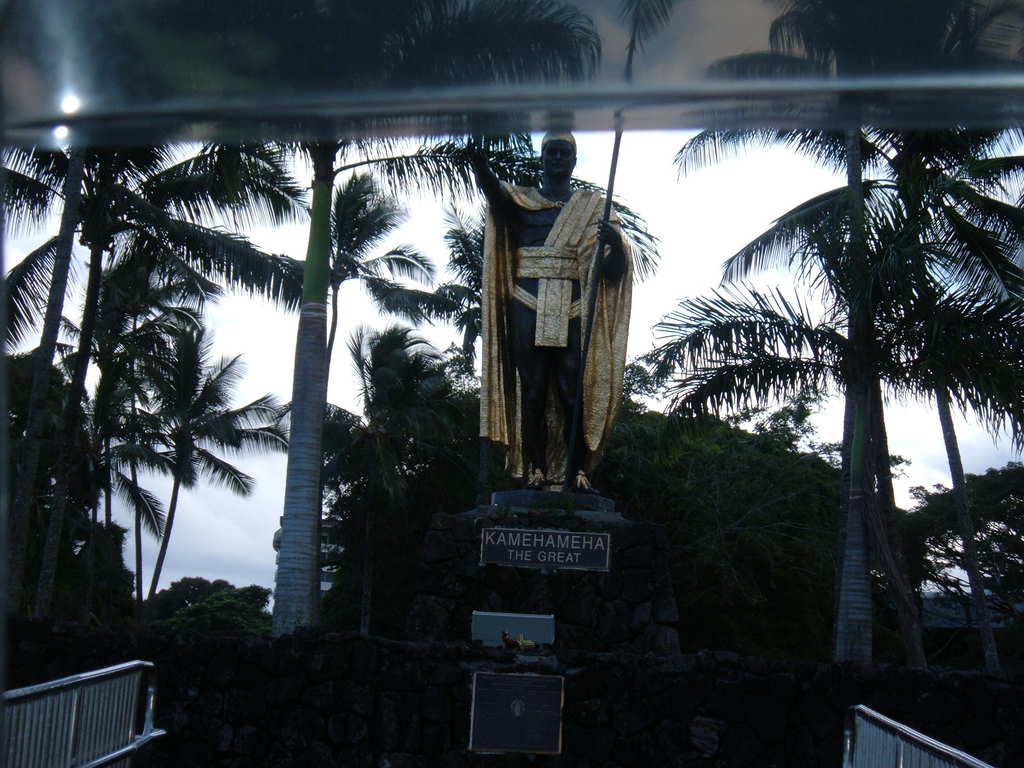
x=700, y=220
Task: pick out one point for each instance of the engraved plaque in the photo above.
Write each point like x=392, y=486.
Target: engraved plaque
x=516, y=713
x=545, y=549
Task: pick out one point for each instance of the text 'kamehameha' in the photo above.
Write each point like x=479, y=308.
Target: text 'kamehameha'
x=545, y=549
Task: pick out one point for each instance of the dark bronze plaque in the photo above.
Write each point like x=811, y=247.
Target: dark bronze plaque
x=516, y=713
x=545, y=549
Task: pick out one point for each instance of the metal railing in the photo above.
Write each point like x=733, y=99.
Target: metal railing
x=83, y=721
x=871, y=740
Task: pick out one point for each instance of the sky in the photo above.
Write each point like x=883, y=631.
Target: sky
x=700, y=220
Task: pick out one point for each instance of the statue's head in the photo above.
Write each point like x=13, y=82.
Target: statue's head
x=558, y=155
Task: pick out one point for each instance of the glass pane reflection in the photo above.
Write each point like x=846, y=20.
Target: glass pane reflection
x=177, y=69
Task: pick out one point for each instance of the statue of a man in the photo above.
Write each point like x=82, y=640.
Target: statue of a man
x=539, y=254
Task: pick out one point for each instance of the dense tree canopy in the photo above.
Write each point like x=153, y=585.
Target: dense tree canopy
x=752, y=515
x=230, y=609
x=934, y=550
x=181, y=594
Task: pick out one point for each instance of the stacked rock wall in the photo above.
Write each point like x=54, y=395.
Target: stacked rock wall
x=339, y=700
x=631, y=607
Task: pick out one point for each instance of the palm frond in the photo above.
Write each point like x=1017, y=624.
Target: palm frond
x=32, y=182
x=970, y=346
x=250, y=183
x=710, y=148
x=744, y=338
x=437, y=44
x=223, y=474
x=759, y=383
x=795, y=237
x=28, y=284
x=404, y=261
x=145, y=505
x=219, y=254
x=644, y=18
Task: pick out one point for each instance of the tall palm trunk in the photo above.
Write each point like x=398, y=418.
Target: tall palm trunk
x=845, y=452
x=889, y=544
x=366, y=605
x=139, y=618
x=296, y=597
x=94, y=519
x=108, y=519
x=72, y=418
x=166, y=538
x=483, y=473
x=333, y=333
x=854, y=612
x=297, y=588
x=28, y=455
x=963, y=516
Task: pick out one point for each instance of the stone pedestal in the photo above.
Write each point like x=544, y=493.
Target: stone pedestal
x=630, y=607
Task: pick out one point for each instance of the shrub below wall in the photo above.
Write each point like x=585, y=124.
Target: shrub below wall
x=339, y=700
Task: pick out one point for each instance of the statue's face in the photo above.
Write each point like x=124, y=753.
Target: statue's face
x=558, y=159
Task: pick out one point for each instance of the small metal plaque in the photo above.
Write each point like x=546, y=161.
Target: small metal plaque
x=516, y=713
x=545, y=549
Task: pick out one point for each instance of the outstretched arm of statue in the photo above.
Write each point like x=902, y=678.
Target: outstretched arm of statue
x=614, y=265
x=497, y=196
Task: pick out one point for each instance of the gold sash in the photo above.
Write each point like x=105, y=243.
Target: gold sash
x=555, y=268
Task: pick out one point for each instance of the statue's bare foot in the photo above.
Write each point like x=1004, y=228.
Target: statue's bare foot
x=538, y=481
x=582, y=485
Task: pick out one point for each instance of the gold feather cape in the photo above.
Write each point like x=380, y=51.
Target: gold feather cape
x=500, y=398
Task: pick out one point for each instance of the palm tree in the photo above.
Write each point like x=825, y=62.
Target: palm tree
x=742, y=349
x=138, y=316
x=840, y=38
x=964, y=347
x=362, y=218
x=190, y=401
x=139, y=206
x=407, y=408
x=439, y=44
x=459, y=300
x=30, y=183
x=923, y=229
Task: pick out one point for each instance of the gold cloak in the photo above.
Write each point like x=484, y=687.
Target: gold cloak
x=500, y=419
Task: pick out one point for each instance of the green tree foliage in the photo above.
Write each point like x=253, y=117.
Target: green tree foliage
x=935, y=552
x=409, y=455
x=181, y=594
x=229, y=609
x=109, y=601
x=143, y=207
x=440, y=477
x=72, y=598
x=948, y=223
x=752, y=517
x=191, y=409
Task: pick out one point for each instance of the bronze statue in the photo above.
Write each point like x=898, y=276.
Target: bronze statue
x=539, y=252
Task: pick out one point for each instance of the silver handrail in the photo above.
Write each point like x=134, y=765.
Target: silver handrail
x=871, y=740
x=81, y=721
